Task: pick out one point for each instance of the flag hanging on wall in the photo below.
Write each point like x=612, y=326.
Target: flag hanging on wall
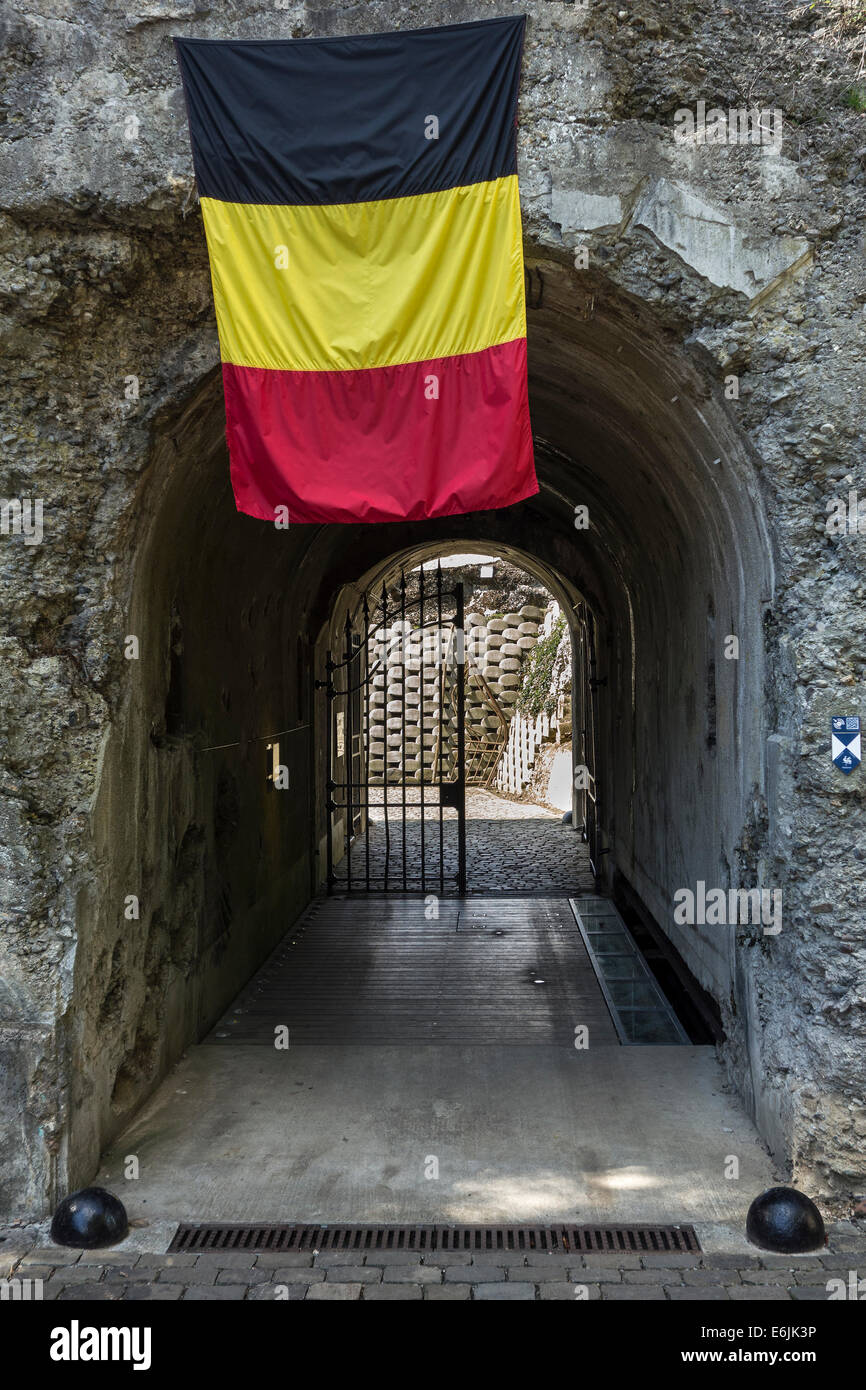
x=362, y=216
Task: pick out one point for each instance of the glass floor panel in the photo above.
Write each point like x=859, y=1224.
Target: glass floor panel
x=641, y=1014
x=634, y=994
x=623, y=968
x=602, y=926
x=650, y=1027
x=618, y=945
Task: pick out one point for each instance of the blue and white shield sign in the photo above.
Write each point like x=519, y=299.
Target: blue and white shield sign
x=845, y=741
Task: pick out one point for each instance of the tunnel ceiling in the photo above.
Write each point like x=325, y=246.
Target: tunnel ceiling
x=623, y=424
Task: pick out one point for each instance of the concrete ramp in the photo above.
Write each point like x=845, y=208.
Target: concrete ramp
x=431, y=1076
x=618, y=1134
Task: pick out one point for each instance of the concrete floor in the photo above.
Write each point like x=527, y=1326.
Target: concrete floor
x=349, y=1122
x=321, y=1133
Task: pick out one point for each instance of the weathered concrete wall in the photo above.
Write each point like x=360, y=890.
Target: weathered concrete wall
x=185, y=819
x=707, y=518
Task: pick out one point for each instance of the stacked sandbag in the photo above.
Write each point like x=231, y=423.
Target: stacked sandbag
x=497, y=648
x=399, y=745
x=403, y=704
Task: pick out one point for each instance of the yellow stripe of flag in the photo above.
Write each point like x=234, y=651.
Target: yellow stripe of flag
x=352, y=285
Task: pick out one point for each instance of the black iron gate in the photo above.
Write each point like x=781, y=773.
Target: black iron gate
x=396, y=791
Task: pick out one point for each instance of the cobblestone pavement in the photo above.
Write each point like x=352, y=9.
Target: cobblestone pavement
x=396, y=1275
x=480, y=805
x=511, y=846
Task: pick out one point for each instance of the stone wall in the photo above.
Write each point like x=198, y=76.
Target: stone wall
x=412, y=732
x=497, y=647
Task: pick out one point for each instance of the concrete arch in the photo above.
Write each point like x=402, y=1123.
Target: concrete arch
x=233, y=616
x=347, y=601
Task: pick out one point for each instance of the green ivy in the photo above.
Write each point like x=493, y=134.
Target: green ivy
x=535, y=692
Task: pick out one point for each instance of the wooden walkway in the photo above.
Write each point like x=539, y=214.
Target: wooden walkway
x=373, y=971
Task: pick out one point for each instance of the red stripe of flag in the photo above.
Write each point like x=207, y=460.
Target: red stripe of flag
x=368, y=444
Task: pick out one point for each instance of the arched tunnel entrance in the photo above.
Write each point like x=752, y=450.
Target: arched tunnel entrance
x=649, y=520
x=401, y=666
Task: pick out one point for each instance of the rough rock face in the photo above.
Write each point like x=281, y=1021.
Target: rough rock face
x=751, y=264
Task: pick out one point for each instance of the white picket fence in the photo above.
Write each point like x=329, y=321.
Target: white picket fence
x=525, y=735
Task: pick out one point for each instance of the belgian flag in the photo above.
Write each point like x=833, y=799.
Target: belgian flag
x=362, y=216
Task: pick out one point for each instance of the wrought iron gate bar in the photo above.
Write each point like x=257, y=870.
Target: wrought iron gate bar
x=364, y=643
x=383, y=653
x=385, y=759
x=461, y=730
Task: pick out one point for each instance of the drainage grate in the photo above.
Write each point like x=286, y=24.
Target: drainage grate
x=626, y=1240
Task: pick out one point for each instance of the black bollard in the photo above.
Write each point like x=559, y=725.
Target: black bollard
x=89, y=1220
x=785, y=1220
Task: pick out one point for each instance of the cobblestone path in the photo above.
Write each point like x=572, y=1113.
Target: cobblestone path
x=511, y=846
x=396, y=1275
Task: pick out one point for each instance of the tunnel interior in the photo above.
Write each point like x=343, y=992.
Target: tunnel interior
x=648, y=515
